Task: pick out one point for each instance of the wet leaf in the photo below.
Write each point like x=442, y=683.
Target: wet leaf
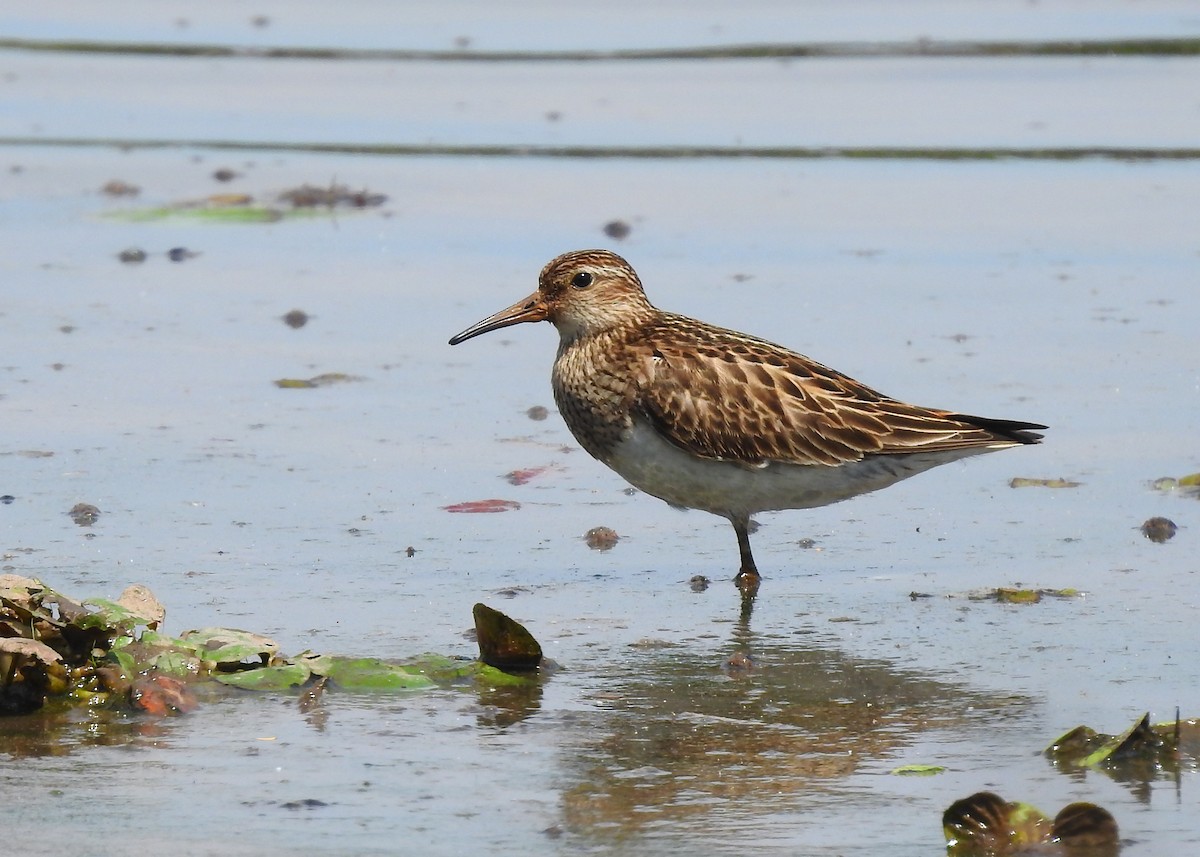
x=1138, y=739
x=140, y=601
x=1081, y=826
x=985, y=825
x=276, y=678
x=126, y=665
x=1011, y=595
x=1188, y=486
x=374, y=674
x=448, y=671
x=326, y=380
x=1141, y=753
x=484, y=506
x=175, y=663
x=161, y=695
x=229, y=646
x=1018, y=596
x=218, y=208
x=1025, y=482
x=919, y=770
x=112, y=615
x=22, y=590
x=521, y=477
x=504, y=642
x=28, y=650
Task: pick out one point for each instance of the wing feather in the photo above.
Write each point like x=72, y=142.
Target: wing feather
x=727, y=396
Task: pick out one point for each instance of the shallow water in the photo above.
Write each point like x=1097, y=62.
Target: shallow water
x=1041, y=289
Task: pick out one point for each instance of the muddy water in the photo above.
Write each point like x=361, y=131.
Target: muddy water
x=1056, y=291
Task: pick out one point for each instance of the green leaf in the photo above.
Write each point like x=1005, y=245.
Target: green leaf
x=230, y=646
x=267, y=678
x=374, y=674
x=1135, y=739
x=918, y=770
x=110, y=615
x=175, y=663
x=126, y=663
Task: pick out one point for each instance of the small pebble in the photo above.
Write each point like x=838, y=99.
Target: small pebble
x=180, y=254
x=224, y=175
x=537, y=412
x=699, y=583
x=601, y=538
x=132, y=255
x=1159, y=529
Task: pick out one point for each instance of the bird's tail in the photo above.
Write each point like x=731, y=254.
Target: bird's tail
x=1014, y=430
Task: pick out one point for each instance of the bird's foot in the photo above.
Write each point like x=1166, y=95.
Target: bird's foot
x=747, y=581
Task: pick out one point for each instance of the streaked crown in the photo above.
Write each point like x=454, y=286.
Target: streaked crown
x=588, y=291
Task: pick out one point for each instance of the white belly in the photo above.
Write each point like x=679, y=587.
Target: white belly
x=656, y=466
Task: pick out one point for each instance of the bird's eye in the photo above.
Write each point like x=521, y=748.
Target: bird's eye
x=582, y=280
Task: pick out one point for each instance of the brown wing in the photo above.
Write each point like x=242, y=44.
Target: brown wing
x=723, y=395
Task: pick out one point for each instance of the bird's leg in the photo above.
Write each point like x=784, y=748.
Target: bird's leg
x=748, y=577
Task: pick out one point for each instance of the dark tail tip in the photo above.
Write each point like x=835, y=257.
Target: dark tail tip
x=1014, y=430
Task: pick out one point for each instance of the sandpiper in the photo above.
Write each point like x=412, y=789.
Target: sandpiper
x=708, y=418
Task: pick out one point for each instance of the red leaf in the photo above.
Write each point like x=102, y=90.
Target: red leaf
x=520, y=477
x=162, y=696
x=484, y=506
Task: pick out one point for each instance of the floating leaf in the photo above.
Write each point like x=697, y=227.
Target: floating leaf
x=521, y=477
x=1140, y=753
x=112, y=615
x=1018, y=596
x=267, y=678
x=1137, y=739
x=504, y=642
x=161, y=695
x=328, y=379
x=985, y=825
x=175, y=663
x=919, y=770
x=230, y=646
x=484, y=506
x=447, y=671
x=1082, y=826
x=374, y=674
x=1025, y=482
x=1011, y=595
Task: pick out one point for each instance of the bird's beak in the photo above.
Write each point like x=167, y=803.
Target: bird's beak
x=532, y=308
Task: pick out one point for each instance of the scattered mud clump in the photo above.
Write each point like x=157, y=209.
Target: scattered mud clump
x=1159, y=530
x=617, y=229
x=601, y=538
x=295, y=319
x=84, y=514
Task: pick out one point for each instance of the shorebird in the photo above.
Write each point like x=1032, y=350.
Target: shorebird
x=708, y=418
